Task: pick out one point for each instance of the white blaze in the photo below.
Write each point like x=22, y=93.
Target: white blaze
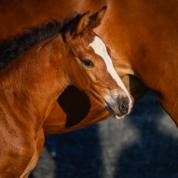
x=100, y=49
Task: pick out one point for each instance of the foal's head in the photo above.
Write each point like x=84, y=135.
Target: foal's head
x=88, y=65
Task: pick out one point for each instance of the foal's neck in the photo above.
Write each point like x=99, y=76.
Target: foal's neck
x=36, y=79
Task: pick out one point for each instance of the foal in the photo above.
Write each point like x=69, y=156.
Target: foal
x=36, y=67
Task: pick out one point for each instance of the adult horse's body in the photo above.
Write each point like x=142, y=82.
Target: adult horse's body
x=142, y=35
x=35, y=68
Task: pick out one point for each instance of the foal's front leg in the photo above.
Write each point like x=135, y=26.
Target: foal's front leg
x=38, y=148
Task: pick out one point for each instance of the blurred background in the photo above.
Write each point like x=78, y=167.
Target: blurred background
x=144, y=145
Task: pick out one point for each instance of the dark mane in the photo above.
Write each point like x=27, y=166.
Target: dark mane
x=15, y=46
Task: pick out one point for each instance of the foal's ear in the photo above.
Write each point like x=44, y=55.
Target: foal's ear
x=76, y=26
x=95, y=19
x=82, y=23
x=90, y=21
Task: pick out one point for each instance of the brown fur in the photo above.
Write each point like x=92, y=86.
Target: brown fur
x=31, y=84
x=141, y=34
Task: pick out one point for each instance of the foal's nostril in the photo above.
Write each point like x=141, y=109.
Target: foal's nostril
x=123, y=105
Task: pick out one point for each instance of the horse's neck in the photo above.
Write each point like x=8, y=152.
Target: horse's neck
x=34, y=81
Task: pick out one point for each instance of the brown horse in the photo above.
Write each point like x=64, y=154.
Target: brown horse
x=141, y=34
x=35, y=68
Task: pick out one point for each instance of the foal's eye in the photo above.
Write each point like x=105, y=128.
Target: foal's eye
x=87, y=62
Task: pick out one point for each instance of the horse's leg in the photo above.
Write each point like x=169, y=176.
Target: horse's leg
x=39, y=146
x=40, y=142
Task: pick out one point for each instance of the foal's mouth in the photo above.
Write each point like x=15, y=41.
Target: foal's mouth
x=113, y=114
x=117, y=106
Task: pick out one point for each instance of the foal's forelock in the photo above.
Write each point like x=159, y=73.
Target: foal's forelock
x=100, y=49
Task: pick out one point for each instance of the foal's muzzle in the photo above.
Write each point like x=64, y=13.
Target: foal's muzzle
x=118, y=106
x=123, y=104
